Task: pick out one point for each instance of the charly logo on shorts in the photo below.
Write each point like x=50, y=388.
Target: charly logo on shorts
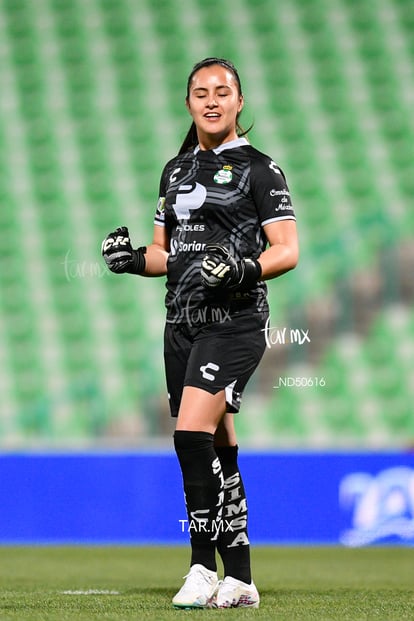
x=210, y=366
x=224, y=175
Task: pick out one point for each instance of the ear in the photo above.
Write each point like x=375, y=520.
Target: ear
x=187, y=105
x=241, y=104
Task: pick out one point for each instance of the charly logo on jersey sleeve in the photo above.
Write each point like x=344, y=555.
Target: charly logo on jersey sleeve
x=224, y=175
x=188, y=198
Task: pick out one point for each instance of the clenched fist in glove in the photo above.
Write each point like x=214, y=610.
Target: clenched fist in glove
x=119, y=255
x=220, y=270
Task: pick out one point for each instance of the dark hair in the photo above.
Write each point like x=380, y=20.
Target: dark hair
x=212, y=60
x=191, y=139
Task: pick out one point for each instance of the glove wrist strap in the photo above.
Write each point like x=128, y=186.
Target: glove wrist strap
x=252, y=273
x=137, y=264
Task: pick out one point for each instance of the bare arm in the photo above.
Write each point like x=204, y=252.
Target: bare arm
x=283, y=252
x=157, y=253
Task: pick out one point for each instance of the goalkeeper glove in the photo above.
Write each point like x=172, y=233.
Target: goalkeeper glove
x=220, y=270
x=119, y=255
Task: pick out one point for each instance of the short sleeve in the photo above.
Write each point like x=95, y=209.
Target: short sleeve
x=270, y=191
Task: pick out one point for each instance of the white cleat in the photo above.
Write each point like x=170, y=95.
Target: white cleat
x=198, y=590
x=234, y=593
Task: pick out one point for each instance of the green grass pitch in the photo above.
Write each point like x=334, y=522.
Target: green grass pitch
x=123, y=583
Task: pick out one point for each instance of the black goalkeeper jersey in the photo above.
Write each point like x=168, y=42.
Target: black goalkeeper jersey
x=226, y=196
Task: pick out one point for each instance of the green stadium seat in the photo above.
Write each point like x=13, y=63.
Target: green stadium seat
x=61, y=177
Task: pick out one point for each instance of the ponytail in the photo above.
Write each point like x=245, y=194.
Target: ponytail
x=190, y=141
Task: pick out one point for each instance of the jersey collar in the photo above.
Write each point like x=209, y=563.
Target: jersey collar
x=238, y=142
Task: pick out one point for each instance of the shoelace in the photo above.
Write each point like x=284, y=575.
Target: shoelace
x=196, y=578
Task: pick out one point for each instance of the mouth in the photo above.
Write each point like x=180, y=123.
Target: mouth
x=212, y=116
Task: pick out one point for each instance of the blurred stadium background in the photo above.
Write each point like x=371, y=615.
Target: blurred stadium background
x=91, y=107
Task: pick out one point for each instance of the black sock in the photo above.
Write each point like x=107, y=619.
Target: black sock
x=203, y=487
x=233, y=543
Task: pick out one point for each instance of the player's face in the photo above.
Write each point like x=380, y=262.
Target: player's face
x=214, y=103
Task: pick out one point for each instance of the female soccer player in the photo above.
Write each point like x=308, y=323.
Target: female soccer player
x=224, y=224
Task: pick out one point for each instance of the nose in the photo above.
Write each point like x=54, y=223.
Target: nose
x=212, y=103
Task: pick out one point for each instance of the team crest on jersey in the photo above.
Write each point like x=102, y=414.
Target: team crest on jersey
x=224, y=175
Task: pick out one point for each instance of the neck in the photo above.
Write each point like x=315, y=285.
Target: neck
x=207, y=141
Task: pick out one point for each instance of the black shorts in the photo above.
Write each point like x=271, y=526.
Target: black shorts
x=213, y=357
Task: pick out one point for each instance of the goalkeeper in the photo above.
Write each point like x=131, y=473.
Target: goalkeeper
x=224, y=225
